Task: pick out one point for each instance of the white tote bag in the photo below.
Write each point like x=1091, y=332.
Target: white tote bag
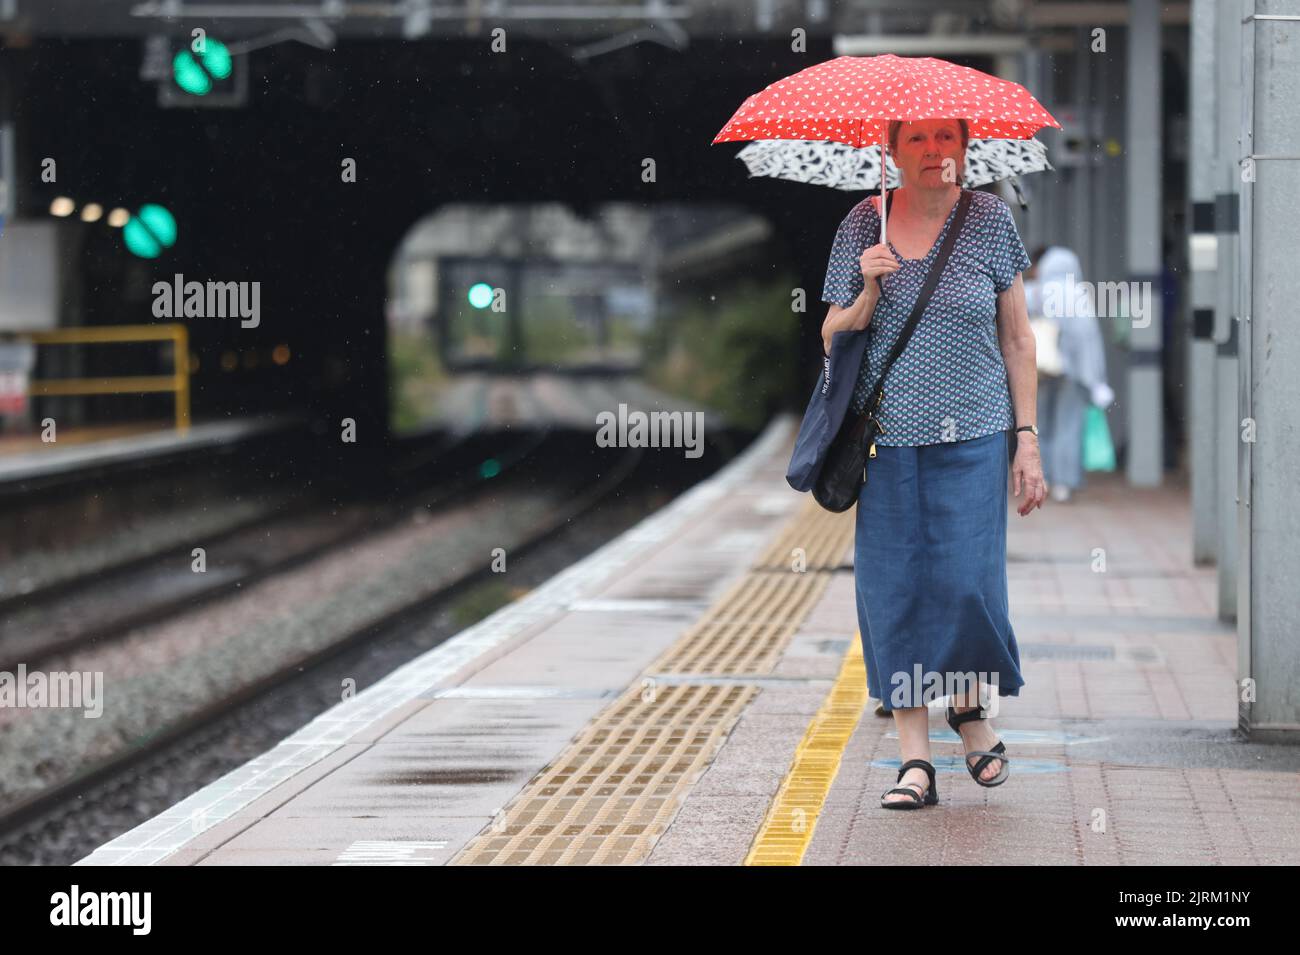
x=1047, y=339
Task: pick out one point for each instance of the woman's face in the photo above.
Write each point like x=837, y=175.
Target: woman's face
x=926, y=148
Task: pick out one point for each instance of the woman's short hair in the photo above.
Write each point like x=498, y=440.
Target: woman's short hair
x=896, y=124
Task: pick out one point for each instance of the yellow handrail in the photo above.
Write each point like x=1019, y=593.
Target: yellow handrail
x=178, y=381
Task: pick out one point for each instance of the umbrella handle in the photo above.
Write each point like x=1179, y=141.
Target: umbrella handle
x=884, y=214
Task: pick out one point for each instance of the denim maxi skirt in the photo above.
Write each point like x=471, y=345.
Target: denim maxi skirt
x=930, y=564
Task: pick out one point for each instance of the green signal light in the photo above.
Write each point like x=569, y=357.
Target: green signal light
x=194, y=74
x=489, y=468
x=140, y=241
x=216, y=59
x=151, y=230
x=480, y=295
x=160, y=222
x=189, y=75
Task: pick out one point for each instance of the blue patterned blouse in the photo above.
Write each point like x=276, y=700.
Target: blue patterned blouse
x=950, y=383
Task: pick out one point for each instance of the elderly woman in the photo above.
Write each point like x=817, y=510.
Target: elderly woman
x=930, y=547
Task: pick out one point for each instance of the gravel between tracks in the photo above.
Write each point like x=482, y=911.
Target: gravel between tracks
x=159, y=674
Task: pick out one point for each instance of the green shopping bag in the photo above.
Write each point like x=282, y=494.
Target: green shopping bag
x=1098, y=449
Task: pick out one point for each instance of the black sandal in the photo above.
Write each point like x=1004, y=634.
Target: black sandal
x=931, y=793
x=987, y=756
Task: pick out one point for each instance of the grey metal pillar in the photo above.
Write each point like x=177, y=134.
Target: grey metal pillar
x=1108, y=203
x=1269, y=600
x=1033, y=233
x=1227, y=176
x=1145, y=463
x=1202, y=244
x=1010, y=66
x=1083, y=225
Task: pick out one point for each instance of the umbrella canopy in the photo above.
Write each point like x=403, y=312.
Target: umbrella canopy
x=853, y=99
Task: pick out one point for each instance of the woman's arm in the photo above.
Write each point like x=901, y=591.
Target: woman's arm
x=856, y=316
x=1019, y=354
x=874, y=263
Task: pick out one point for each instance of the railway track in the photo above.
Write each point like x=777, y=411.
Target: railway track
x=103, y=604
x=63, y=797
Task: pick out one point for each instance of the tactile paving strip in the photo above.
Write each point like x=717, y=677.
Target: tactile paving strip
x=614, y=790
x=823, y=536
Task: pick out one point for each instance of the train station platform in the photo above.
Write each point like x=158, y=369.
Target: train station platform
x=26, y=459
x=693, y=693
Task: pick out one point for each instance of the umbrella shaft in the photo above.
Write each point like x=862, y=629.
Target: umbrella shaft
x=884, y=214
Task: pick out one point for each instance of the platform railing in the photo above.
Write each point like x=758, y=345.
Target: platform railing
x=177, y=382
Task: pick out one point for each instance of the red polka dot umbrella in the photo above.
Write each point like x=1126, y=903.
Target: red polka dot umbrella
x=852, y=99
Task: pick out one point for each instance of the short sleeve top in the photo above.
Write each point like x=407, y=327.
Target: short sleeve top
x=950, y=382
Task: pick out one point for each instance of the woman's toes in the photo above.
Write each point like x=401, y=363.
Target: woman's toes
x=910, y=782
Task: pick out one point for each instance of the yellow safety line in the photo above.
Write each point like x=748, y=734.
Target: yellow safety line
x=791, y=818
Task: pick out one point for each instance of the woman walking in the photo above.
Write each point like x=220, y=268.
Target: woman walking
x=1055, y=290
x=930, y=548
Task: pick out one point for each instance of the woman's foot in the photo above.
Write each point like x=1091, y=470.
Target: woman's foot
x=979, y=735
x=916, y=779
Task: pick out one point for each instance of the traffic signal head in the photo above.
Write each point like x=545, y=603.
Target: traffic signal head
x=203, y=73
x=195, y=72
x=151, y=230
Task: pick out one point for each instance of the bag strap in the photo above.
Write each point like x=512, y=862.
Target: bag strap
x=931, y=282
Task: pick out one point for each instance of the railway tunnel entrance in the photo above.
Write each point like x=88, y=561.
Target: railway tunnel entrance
x=532, y=314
